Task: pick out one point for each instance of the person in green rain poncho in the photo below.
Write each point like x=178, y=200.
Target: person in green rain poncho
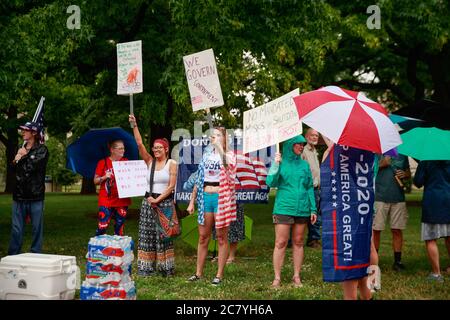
x=294, y=205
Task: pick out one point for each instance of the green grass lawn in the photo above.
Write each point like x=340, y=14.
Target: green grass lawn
x=70, y=220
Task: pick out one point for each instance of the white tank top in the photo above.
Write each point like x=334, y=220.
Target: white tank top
x=212, y=168
x=160, y=179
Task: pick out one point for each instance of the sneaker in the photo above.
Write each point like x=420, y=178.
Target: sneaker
x=216, y=281
x=435, y=277
x=315, y=244
x=194, y=278
x=398, y=266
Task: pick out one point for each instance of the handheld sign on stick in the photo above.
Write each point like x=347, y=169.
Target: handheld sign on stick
x=129, y=70
x=203, y=82
x=271, y=123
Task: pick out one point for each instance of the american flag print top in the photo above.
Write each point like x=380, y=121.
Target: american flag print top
x=226, y=212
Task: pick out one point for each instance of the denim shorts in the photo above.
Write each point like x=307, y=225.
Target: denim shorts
x=211, y=202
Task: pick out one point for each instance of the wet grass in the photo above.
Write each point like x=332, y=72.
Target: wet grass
x=70, y=222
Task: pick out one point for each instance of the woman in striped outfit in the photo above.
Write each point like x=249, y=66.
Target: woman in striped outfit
x=216, y=200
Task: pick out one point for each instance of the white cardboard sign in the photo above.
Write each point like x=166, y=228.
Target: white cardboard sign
x=203, y=80
x=129, y=68
x=131, y=178
x=271, y=123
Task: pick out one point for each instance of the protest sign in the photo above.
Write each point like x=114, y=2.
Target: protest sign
x=203, y=80
x=129, y=68
x=271, y=123
x=130, y=178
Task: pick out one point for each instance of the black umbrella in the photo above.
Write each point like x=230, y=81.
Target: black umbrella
x=434, y=114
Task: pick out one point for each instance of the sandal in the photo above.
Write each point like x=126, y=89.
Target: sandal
x=276, y=283
x=297, y=282
x=230, y=261
x=216, y=281
x=194, y=278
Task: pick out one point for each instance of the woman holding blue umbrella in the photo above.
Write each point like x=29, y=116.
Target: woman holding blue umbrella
x=155, y=253
x=109, y=203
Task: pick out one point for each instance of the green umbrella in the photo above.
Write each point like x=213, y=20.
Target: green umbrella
x=189, y=232
x=426, y=144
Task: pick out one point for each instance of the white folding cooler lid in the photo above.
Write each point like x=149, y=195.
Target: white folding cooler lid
x=48, y=262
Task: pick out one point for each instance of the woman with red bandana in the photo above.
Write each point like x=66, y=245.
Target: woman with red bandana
x=109, y=203
x=156, y=254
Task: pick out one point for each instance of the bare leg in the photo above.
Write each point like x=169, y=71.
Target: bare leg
x=397, y=240
x=222, y=239
x=203, y=241
x=373, y=252
x=364, y=291
x=281, y=240
x=376, y=239
x=298, y=232
x=433, y=255
x=350, y=288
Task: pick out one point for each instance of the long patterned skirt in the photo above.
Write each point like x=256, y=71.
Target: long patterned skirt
x=154, y=254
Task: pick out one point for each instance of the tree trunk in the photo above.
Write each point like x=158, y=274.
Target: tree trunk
x=411, y=72
x=88, y=186
x=438, y=65
x=11, y=145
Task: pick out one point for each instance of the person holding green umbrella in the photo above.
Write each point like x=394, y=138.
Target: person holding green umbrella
x=435, y=177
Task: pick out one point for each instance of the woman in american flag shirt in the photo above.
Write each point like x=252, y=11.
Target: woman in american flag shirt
x=216, y=200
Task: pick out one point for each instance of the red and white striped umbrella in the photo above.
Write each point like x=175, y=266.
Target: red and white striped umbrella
x=348, y=118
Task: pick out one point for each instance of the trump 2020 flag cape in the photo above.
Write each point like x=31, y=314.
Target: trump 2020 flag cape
x=347, y=204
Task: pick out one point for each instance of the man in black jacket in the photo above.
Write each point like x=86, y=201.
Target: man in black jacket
x=30, y=164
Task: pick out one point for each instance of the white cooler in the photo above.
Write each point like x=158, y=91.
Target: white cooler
x=38, y=277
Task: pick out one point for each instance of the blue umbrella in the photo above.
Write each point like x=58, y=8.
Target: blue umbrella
x=84, y=153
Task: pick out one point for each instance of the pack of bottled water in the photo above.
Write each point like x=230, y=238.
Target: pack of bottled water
x=108, y=269
x=124, y=291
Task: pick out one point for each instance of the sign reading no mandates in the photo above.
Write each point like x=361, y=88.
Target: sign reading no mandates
x=203, y=80
x=271, y=123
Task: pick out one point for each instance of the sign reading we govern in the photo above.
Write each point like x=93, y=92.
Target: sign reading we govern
x=271, y=123
x=129, y=67
x=203, y=80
